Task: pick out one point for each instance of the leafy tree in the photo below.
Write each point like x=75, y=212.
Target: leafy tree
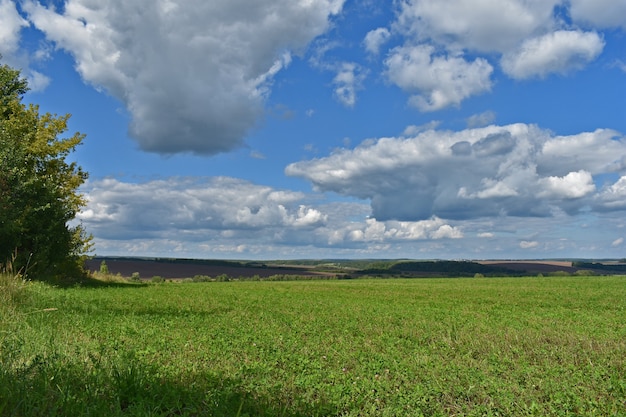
x=38, y=188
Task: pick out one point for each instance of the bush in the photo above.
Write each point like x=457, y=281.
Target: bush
x=222, y=278
x=135, y=277
x=157, y=279
x=201, y=278
x=104, y=269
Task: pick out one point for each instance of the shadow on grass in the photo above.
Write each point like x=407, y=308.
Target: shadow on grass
x=125, y=386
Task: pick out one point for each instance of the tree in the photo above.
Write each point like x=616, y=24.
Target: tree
x=38, y=188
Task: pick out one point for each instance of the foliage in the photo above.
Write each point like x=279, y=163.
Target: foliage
x=432, y=347
x=38, y=187
x=157, y=279
x=104, y=268
x=436, y=268
x=605, y=267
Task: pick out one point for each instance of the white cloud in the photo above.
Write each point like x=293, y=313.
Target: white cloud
x=599, y=13
x=348, y=80
x=11, y=23
x=375, y=39
x=530, y=38
x=617, y=242
x=573, y=185
x=439, y=80
x=515, y=170
x=487, y=25
x=191, y=205
x=598, y=151
x=193, y=75
x=373, y=230
x=221, y=214
x=556, y=52
x=481, y=119
x=528, y=244
x=613, y=197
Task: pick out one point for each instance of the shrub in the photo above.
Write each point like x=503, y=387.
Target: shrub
x=104, y=269
x=222, y=278
x=201, y=278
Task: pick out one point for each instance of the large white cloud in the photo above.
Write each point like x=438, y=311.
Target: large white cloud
x=236, y=216
x=556, y=52
x=515, y=170
x=193, y=204
x=226, y=217
x=193, y=74
x=438, y=80
x=487, y=25
x=530, y=38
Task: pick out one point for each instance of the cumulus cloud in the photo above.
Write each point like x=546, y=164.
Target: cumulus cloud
x=514, y=170
x=191, y=205
x=193, y=75
x=373, y=230
x=599, y=13
x=222, y=214
x=613, y=197
x=556, y=52
x=528, y=244
x=11, y=23
x=439, y=80
x=530, y=38
x=573, y=185
x=486, y=26
x=375, y=39
x=481, y=119
x=348, y=80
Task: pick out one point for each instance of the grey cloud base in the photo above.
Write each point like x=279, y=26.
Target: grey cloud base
x=194, y=76
x=514, y=170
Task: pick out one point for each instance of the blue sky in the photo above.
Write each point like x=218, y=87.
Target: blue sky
x=280, y=129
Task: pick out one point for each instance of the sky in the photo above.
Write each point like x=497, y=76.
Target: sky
x=299, y=129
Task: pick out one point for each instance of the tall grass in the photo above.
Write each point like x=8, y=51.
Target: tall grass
x=13, y=286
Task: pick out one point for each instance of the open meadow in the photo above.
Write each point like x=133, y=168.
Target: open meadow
x=553, y=346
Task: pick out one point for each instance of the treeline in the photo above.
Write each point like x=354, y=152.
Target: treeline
x=597, y=266
x=437, y=269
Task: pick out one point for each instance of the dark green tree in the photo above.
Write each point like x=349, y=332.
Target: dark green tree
x=38, y=187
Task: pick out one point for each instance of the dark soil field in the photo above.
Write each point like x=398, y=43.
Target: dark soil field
x=188, y=269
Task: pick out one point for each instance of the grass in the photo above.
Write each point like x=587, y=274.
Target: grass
x=432, y=347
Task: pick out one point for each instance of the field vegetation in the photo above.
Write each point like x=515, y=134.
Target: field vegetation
x=553, y=346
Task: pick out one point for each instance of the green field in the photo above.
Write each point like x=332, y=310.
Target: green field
x=467, y=347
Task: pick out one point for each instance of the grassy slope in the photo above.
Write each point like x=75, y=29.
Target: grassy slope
x=553, y=346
